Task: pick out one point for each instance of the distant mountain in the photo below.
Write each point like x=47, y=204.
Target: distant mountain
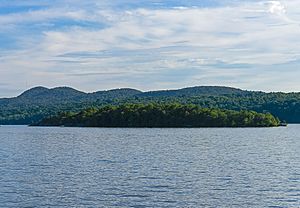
x=42, y=94
x=114, y=94
x=36, y=91
x=40, y=102
x=195, y=91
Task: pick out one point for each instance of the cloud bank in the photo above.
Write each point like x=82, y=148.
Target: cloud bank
x=91, y=45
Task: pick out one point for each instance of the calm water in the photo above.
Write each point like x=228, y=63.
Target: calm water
x=77, y=167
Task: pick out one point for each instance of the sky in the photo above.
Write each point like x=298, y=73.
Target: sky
x=95, y=45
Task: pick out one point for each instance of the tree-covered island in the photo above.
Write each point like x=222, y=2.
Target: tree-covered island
x=160, y=115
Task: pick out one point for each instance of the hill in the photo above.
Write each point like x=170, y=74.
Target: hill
x=44, y=95
x=195, y=91
x=40, y=102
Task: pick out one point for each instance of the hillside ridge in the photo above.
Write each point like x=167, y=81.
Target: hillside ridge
x=213, y=90
x=40, y=102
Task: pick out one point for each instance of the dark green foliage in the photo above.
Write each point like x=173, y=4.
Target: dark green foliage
x=40, y=102
x=195, y=91
x=160, y=115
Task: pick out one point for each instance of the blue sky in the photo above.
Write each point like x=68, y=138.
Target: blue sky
x=94, y=45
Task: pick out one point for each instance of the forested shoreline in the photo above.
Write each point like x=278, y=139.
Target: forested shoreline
x=160, y=115
x=38, y=103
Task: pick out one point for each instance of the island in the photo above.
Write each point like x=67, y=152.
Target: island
x=155, y=115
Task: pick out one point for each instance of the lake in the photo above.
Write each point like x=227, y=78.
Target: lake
x=102, y=167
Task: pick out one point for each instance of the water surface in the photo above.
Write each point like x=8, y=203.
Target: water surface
x=99, y=167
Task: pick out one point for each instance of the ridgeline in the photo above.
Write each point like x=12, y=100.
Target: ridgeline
x=160, y=115
x=38, y=103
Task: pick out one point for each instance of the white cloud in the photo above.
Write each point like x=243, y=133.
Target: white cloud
x=144, y=41
x=213, y=29
x=277, y=7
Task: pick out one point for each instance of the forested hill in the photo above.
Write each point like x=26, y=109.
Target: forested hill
x=195, y=91
x=42, y=95
x=40, y=102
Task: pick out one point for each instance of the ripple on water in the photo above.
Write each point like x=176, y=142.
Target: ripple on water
x=78, y=167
